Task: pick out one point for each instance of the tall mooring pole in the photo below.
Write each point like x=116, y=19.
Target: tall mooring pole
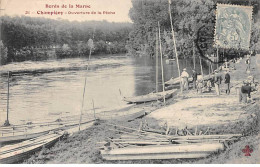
x=160, y=44
x=7, y=104
x=174, y=42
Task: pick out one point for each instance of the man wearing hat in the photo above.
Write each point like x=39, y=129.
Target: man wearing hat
x=217, y=82
x=184, y=79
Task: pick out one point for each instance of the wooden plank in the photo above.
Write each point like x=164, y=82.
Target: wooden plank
x=129, y=134
x=140, y=139
x=143, y=142
x=154, y=130
x=190, y=137
x=182, y=148
x=175, y=141
x=120, y=126
x=156, y=156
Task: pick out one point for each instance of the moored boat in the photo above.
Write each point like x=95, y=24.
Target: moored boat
x=23, y=132
x=150, y=97
x=174, y=81
x=18, y=152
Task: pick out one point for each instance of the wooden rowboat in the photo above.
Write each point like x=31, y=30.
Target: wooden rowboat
x=23, y=133
x=18, y=152
x=174, y=81
x=186, y=151
x=207, y=77
x=50, y=122
x=150, y=97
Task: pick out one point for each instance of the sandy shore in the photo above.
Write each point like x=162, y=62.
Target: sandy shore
x=222, y=114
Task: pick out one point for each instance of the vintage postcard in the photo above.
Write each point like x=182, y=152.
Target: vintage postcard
x=129, y=81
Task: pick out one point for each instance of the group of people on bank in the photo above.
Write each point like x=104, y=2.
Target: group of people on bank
x=244, y=91
x=199, y=84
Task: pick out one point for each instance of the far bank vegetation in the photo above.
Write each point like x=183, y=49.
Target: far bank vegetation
x=27, y=38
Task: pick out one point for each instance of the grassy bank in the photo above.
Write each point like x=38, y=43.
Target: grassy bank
x=83, y=147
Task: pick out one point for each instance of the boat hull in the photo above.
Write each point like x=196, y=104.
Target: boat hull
x=39, y=131
x=19, y=152
x=174, y=81
x=150, y=97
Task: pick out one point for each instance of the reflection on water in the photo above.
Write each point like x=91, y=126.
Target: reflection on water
x=49, y=89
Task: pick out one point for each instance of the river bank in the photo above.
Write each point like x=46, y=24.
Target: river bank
x=222, y=114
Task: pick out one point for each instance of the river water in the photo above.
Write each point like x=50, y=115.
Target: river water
x=49, y=89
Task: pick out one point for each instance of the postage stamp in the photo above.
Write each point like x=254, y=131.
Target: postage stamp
x=233, y=26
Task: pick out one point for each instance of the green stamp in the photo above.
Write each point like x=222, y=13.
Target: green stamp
x=233, y=26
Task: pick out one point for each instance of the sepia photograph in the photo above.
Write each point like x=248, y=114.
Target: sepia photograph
x=129, y=82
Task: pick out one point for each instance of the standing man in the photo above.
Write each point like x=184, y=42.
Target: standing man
x=244, y=92
x=184, y=79
x=227, y=82
x=194, y=78
x=217, y=82
x=248, y=63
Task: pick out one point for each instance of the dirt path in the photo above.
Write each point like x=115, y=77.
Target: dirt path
x=194, y=112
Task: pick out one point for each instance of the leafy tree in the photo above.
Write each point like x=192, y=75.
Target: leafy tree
x=188, y=17
x=3, y=53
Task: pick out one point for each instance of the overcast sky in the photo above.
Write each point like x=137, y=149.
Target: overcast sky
x=120, y=7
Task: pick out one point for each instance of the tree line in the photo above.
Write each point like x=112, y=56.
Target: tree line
x=189, y=18
x=27, y=38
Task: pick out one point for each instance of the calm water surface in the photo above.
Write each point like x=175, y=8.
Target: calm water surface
x=50, y=89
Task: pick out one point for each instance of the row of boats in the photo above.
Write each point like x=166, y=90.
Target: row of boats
x=20, y=141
